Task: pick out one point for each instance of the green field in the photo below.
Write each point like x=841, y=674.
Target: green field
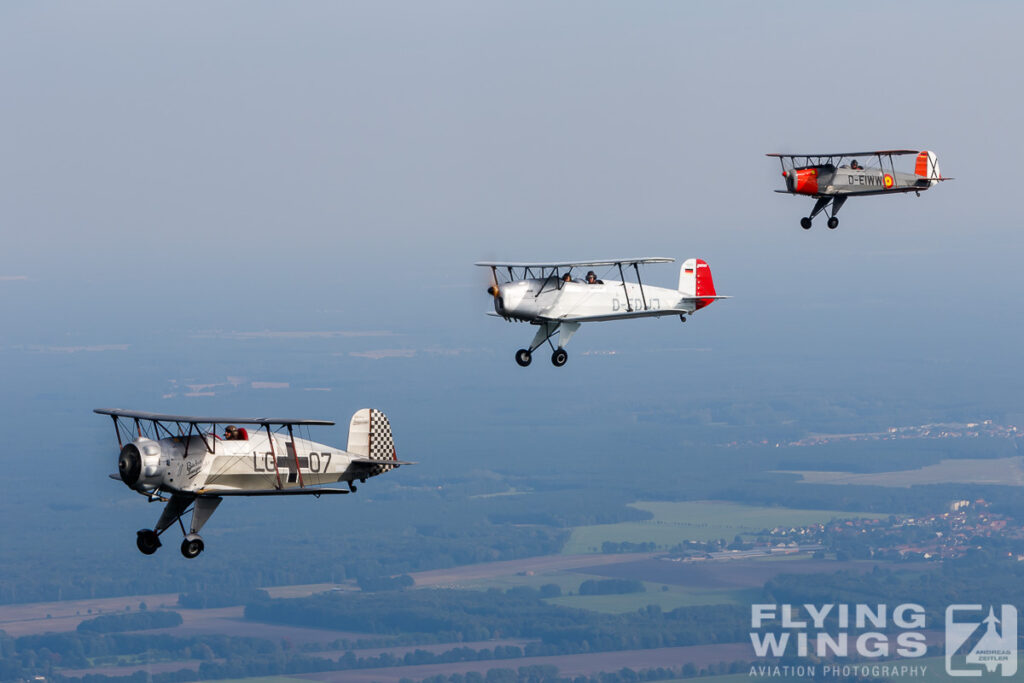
x=675, y=596
x=996, y=471
x=674, y=523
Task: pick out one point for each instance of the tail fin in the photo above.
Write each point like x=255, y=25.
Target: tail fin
x=927, y=166
x=369, y=436
x=695, y=281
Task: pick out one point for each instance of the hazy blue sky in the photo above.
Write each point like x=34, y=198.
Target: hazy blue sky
x=174, y=169
x=176, y=176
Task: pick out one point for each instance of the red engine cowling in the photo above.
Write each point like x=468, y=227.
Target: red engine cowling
x=803, y=181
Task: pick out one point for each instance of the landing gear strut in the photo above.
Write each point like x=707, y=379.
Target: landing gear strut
x=545, y=331
x=148, y=540
x=823, y=205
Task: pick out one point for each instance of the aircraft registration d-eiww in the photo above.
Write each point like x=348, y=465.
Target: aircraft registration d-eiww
x=547, y=295
x=181, y=461
x=832, y=178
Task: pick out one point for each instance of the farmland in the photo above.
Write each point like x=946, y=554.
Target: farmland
x=676, y=522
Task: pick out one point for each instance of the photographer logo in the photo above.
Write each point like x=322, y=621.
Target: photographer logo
x=977, y=644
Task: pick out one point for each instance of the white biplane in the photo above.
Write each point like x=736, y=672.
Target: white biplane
x=182, y=461
x=547, y=295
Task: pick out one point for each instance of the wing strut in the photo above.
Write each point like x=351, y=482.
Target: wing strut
x=295, y=454
x=277, y=473
x=117, y=430
x=629, y=305
x=643, y=298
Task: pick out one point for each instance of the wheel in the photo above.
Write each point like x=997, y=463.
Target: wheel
x=148, y=541
x=523, y=357
x=192, y=546
x=559, y=357
x=805, y=223
x=833, y=223
x=682, y=318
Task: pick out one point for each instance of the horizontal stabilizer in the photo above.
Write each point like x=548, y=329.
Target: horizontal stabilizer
x=371, y=461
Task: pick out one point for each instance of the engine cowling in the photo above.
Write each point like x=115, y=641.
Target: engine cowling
x=803, y=181
x=129, y=465
x=138, y=464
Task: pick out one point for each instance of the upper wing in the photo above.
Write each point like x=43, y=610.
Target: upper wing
x=193, y=419
x=885, y=152
x=573, y=264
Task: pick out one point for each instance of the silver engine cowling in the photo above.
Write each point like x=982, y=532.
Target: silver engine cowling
x=138, y=464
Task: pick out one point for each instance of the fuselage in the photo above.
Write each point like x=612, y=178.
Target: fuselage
x=844, y=180
x=254, y=464
x=553, y=299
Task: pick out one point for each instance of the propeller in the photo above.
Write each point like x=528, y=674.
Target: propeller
x=495, y=291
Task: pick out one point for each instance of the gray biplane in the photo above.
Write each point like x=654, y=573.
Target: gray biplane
x=180, y=460
x=548, y=296
x=832, y=178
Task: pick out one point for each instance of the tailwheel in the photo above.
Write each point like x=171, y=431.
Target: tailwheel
x=559, y=357
x=523, y=357
x=805, y=223
x=192, y=546
x=147, y=540
x=833, y=223
x=682, y=318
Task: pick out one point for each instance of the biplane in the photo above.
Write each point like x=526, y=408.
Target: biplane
x=833, y=178
x=182, y=461
x=549, y=296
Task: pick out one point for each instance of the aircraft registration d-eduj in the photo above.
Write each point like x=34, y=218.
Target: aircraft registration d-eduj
x=181, y=461
x=547, y=295
x=832, y=178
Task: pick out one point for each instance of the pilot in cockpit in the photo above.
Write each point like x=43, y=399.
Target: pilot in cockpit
x=592, y=278
x=856, y=166
x=231, y=433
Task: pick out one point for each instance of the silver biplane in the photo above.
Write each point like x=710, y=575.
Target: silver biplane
x=832, y=178
x=548, y=296
x=181, y=461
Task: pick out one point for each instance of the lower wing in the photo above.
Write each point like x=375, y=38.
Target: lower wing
x=639, y=313
x=211, y=491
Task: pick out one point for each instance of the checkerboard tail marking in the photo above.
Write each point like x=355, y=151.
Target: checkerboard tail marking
x=370, y=437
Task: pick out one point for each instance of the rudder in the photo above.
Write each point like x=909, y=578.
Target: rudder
x=369, y=436
x=927, y=166
x=695, y=281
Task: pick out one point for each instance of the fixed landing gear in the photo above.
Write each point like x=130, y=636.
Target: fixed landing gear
x=545, y=332
x=192, y=546
x=830, y=205
x=148, y=541
x=682, y=318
